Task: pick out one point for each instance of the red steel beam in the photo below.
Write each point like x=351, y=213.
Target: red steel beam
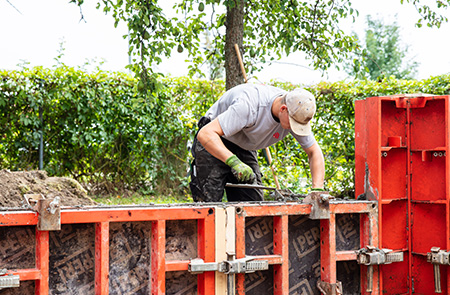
x=277, y=209
x=272, y=259
x=345, y=255
x=177, y=265
x=369, y=236
x=124, y=215
x=94, y=215
x=240, y=245
x=158, y=259
x=328, y=249
x=42, y=255
x=101, y=258
x=17, y=218
x=27, y=274
x=408, y=185
x=351, y=207
x=281, y=247
x=206, y=251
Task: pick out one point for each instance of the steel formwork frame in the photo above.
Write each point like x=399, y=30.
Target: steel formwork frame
x=329, y=256
x=102, y=218
x=206, y=239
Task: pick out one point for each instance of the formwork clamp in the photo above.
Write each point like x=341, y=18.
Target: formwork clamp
x=49, y=210
x=242, y=265
x=438, y=257
x=320, y=204
x=371, y=256
x=8, y=280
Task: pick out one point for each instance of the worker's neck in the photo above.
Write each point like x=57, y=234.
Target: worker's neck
x=276, y=108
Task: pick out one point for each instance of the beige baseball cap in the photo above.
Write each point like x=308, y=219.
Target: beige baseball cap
x=301, y=106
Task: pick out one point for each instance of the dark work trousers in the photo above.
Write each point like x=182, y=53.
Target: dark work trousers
x=209, y=175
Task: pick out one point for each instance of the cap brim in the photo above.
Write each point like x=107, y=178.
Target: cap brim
x=300, y=129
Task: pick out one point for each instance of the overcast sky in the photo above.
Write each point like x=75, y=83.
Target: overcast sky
x=34, y=31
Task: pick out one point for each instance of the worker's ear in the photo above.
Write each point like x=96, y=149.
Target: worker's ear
x=283, y=108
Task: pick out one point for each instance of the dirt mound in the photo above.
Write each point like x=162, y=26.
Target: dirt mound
x=13, y=185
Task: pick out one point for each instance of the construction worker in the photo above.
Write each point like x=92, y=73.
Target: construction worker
x=247, y=118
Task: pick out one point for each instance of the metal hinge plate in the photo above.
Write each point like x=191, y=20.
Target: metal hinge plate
x=320, y=205
x=49, y=211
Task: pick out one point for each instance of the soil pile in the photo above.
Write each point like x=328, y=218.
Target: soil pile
x=14, y=185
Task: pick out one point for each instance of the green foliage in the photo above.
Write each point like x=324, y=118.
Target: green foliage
x=383, y=54
x=429, y=14
x=309, y=26
x=102, y=130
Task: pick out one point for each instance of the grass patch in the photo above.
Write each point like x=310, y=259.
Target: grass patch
x=137, y=199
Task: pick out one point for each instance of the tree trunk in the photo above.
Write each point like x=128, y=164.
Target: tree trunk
x=234, y=35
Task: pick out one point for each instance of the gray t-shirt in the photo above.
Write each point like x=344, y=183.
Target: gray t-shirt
x=245, y=115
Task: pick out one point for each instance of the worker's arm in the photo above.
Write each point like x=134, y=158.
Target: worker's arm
x=316, y=164
x=209, y=137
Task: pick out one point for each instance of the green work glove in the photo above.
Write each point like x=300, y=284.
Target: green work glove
x=318, y=189
x=240, y=170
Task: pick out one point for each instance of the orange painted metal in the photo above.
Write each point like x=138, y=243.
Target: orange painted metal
x=101, y=217
x=272, y=259
x=329, y=255
x=205, y=217
x=206, y=251
x=27, y=274
x=240, y=243
x=328, y=270
x=345, y=255
x=177, y=265
x=102, y=258
x=112, y=214
x=158, y=259
x=281, y=247
x=42, y=254
x=17, y=218
x=277, y=209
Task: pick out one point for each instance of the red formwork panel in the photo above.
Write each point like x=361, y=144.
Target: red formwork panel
x=110, y=250
x=401, y=146
x=147, y=250
x=302, y=251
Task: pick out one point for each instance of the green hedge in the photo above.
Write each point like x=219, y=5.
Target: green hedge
x=100, y=129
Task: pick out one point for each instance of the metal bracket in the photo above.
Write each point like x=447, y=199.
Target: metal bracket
x=49, y=211
x=371, y=256
x=8, y=280
x=330, y=289
x=320, y=204
x=374, y=256
x=243, y=265
x=438, y=257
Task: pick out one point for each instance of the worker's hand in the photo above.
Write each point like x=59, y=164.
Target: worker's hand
x=240, y=170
